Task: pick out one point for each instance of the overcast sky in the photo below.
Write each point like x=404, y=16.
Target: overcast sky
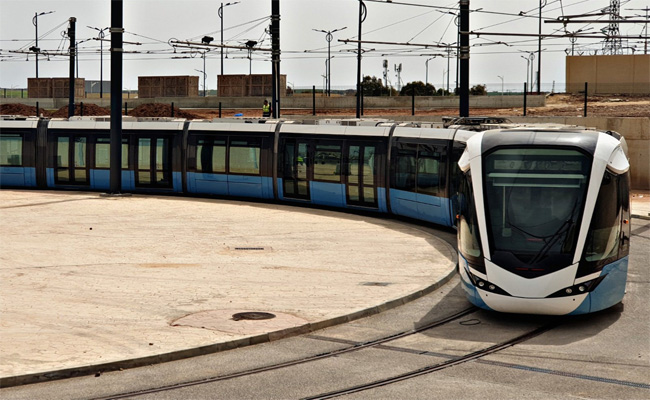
x=304, y=51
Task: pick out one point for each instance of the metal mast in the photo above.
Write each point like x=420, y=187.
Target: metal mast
x=613, y=43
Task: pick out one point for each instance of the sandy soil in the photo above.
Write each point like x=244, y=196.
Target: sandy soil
x=556, y=105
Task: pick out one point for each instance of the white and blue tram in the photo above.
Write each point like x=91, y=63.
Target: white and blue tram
x=542, y=214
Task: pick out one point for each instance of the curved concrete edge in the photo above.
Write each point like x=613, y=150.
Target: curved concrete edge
x=98, y=369
x=646, y=217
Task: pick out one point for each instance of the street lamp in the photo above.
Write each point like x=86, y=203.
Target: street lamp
x=426, y=65
x=35, y=48
x=204, y=75
x=328, y=71
x=101, y=59
x=250, y=45
x=501, y=77
x=221, y=18
x=529, y=69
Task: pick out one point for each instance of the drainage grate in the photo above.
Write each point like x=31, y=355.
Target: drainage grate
x=253, y=315
x=249, y=248
x=375, y=284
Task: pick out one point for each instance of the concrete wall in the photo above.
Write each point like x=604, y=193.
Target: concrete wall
x=608, y=74
x=636, y=132
x=322, y=102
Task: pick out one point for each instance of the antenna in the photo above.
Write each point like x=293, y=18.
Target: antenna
x=398, y=70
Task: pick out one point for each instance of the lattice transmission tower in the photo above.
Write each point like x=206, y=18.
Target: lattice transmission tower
x=613, y=43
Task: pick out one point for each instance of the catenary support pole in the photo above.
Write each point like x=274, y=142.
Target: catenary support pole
x=362, y=17
x=539, y=50
x=71, y=80
x=275, y=57
x=464, y=58
x=117, y=32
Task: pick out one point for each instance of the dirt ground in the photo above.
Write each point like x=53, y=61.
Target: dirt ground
x=556, y=105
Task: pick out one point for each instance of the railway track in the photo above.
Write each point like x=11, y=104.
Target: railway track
x=353, y=347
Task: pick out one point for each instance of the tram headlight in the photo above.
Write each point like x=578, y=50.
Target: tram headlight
x=580, y=288
x=485, y=285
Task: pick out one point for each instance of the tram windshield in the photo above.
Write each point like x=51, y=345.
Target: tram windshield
x=534, y=199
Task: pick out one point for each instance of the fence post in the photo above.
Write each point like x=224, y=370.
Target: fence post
x=413, y=102
x=585, y=109
x=81, y=109
x=219, y=109
x=126, y=111
x=362, y=98
x=37, y=107
x=172, y=109
x=525, y=96
x=313, y=100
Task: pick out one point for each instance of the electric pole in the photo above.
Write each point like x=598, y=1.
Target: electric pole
x=73, y=50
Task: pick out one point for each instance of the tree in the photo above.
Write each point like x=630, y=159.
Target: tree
x=478, y=90
x=419, y=88
x=372, y=86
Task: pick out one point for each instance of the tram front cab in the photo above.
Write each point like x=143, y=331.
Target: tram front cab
x=543, y=222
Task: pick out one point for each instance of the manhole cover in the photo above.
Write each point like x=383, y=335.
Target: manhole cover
x=252, y=316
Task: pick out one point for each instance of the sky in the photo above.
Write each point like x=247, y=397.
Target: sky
x=153, y=23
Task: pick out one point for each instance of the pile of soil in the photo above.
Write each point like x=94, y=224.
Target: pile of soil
x=160, y=110
x=18, y=109
x=89, y=109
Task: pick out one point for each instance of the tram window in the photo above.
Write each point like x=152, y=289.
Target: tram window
x=62, y=160
x=162, y=155
x=11, y=149
x=327, y=163
x=469, y=242
x=428, y=181
x=245, y=156
x=211, y=155
x=368, y=165
x=103, y=153
x=144, y=161
x=404, y=167
x=605, y=228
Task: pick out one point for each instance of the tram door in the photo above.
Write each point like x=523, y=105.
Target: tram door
x=362, y=175
x=296, y=169
x=154, y=162
x=71, y=160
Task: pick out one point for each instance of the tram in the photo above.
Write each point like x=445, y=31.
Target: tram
x=542, y=214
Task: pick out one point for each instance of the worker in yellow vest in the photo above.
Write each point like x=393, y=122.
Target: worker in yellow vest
x=266, y=109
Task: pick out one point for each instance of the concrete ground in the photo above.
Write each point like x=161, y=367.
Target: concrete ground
x=93, y=283
x=90, y=283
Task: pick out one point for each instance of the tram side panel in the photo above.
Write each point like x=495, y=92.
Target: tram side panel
x=18, y=163
x=419, y=175
x=78, y=156
x=333, y=170
x=236, y=161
